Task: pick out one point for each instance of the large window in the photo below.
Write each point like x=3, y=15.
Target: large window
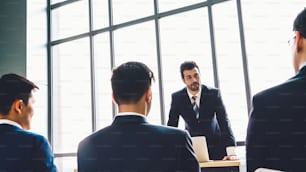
x=184, y=37
x=71, y=94
x=37, y=62
x=268, y=26
x=240, y=49
x=230, y=66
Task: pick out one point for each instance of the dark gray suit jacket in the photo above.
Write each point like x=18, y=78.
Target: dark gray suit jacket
x=132, y=144
x=276, y=135
x=213, y=121
x=24, y=151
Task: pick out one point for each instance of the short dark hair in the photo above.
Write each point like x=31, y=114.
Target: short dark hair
x=130, y=81
x=299, y=23
x=14, y=87
x=188, y=65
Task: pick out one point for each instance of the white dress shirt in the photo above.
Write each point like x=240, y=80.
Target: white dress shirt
x=6, y=121
x=198, y=96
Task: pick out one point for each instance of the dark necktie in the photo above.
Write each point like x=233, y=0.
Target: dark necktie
x=195, y=107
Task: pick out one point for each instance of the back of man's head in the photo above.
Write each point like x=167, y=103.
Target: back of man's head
x=299, y=23
x=130, y=81
x=13, y=87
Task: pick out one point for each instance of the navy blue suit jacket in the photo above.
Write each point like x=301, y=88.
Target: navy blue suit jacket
x=132, y=144
x=213, y=122
x=21, y=150
x=276, y=135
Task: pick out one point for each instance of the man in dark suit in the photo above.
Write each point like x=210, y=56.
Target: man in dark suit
x=130, y=143
x=276, y=134
x=20, y=150
x=209, y=120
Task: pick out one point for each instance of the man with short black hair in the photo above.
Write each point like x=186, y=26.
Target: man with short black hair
x=276, y=135
x=130, y=143
x=20, y=150
x=203, y=112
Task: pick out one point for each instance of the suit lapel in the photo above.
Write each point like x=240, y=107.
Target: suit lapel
x=186, y=102
x=203, y=100
x=186, y=99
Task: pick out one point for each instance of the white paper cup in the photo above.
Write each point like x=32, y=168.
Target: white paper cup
x=231, y=150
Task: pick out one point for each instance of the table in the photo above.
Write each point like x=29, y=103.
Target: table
x=220, y=166
x=217, y=166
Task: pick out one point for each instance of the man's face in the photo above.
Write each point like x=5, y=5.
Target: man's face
x=27, y=112
x=192, y=79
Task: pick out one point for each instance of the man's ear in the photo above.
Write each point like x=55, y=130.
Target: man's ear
x=149, y=95
x=299, y=42
x=113, y=97
x=17, y=106
x=183, y=80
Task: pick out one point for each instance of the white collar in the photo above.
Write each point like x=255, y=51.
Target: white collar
x=130, y=113
x=304, y=64
x=7, y=121
x=198, y=95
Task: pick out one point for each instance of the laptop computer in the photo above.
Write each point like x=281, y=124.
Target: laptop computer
x=200, y=148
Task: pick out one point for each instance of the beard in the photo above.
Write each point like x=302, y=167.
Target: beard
x=194, y=86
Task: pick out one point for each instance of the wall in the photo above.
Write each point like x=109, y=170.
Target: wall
x=13, y=36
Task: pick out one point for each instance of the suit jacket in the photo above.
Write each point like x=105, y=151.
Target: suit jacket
x=21, y=150
x=276, y=134
x=213, y=122
x=132, y=144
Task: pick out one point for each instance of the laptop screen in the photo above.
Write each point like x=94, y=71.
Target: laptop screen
x=200, y=148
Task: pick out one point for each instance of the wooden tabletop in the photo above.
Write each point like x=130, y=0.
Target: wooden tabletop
x=215, y=163
x=220, y=163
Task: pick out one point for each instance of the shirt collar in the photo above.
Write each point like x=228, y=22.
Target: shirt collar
x=7, y=121
x=197, y=95
x=130, y=113
x=304, y=64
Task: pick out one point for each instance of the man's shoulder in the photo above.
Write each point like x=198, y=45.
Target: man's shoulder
x=276, y=89
x=97, y=134
x=26, y=137
x=205, y=89
x=209, y=88
x=19, y=132
x=32, y=135
x=179, y=92
x=153, y=130
x=168, y=129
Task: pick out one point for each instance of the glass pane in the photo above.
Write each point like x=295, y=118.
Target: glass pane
x=66, y=164
x=70, y=20
x=103, y=84
x=39, y=120
x=166, y=5
x=137, y=43
x=100, y=14
x=37, y=62
x=57, y=1
x=124, y=10
x=267, y=32
x=184, y=37
x=72, y=95
x=229, y=60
